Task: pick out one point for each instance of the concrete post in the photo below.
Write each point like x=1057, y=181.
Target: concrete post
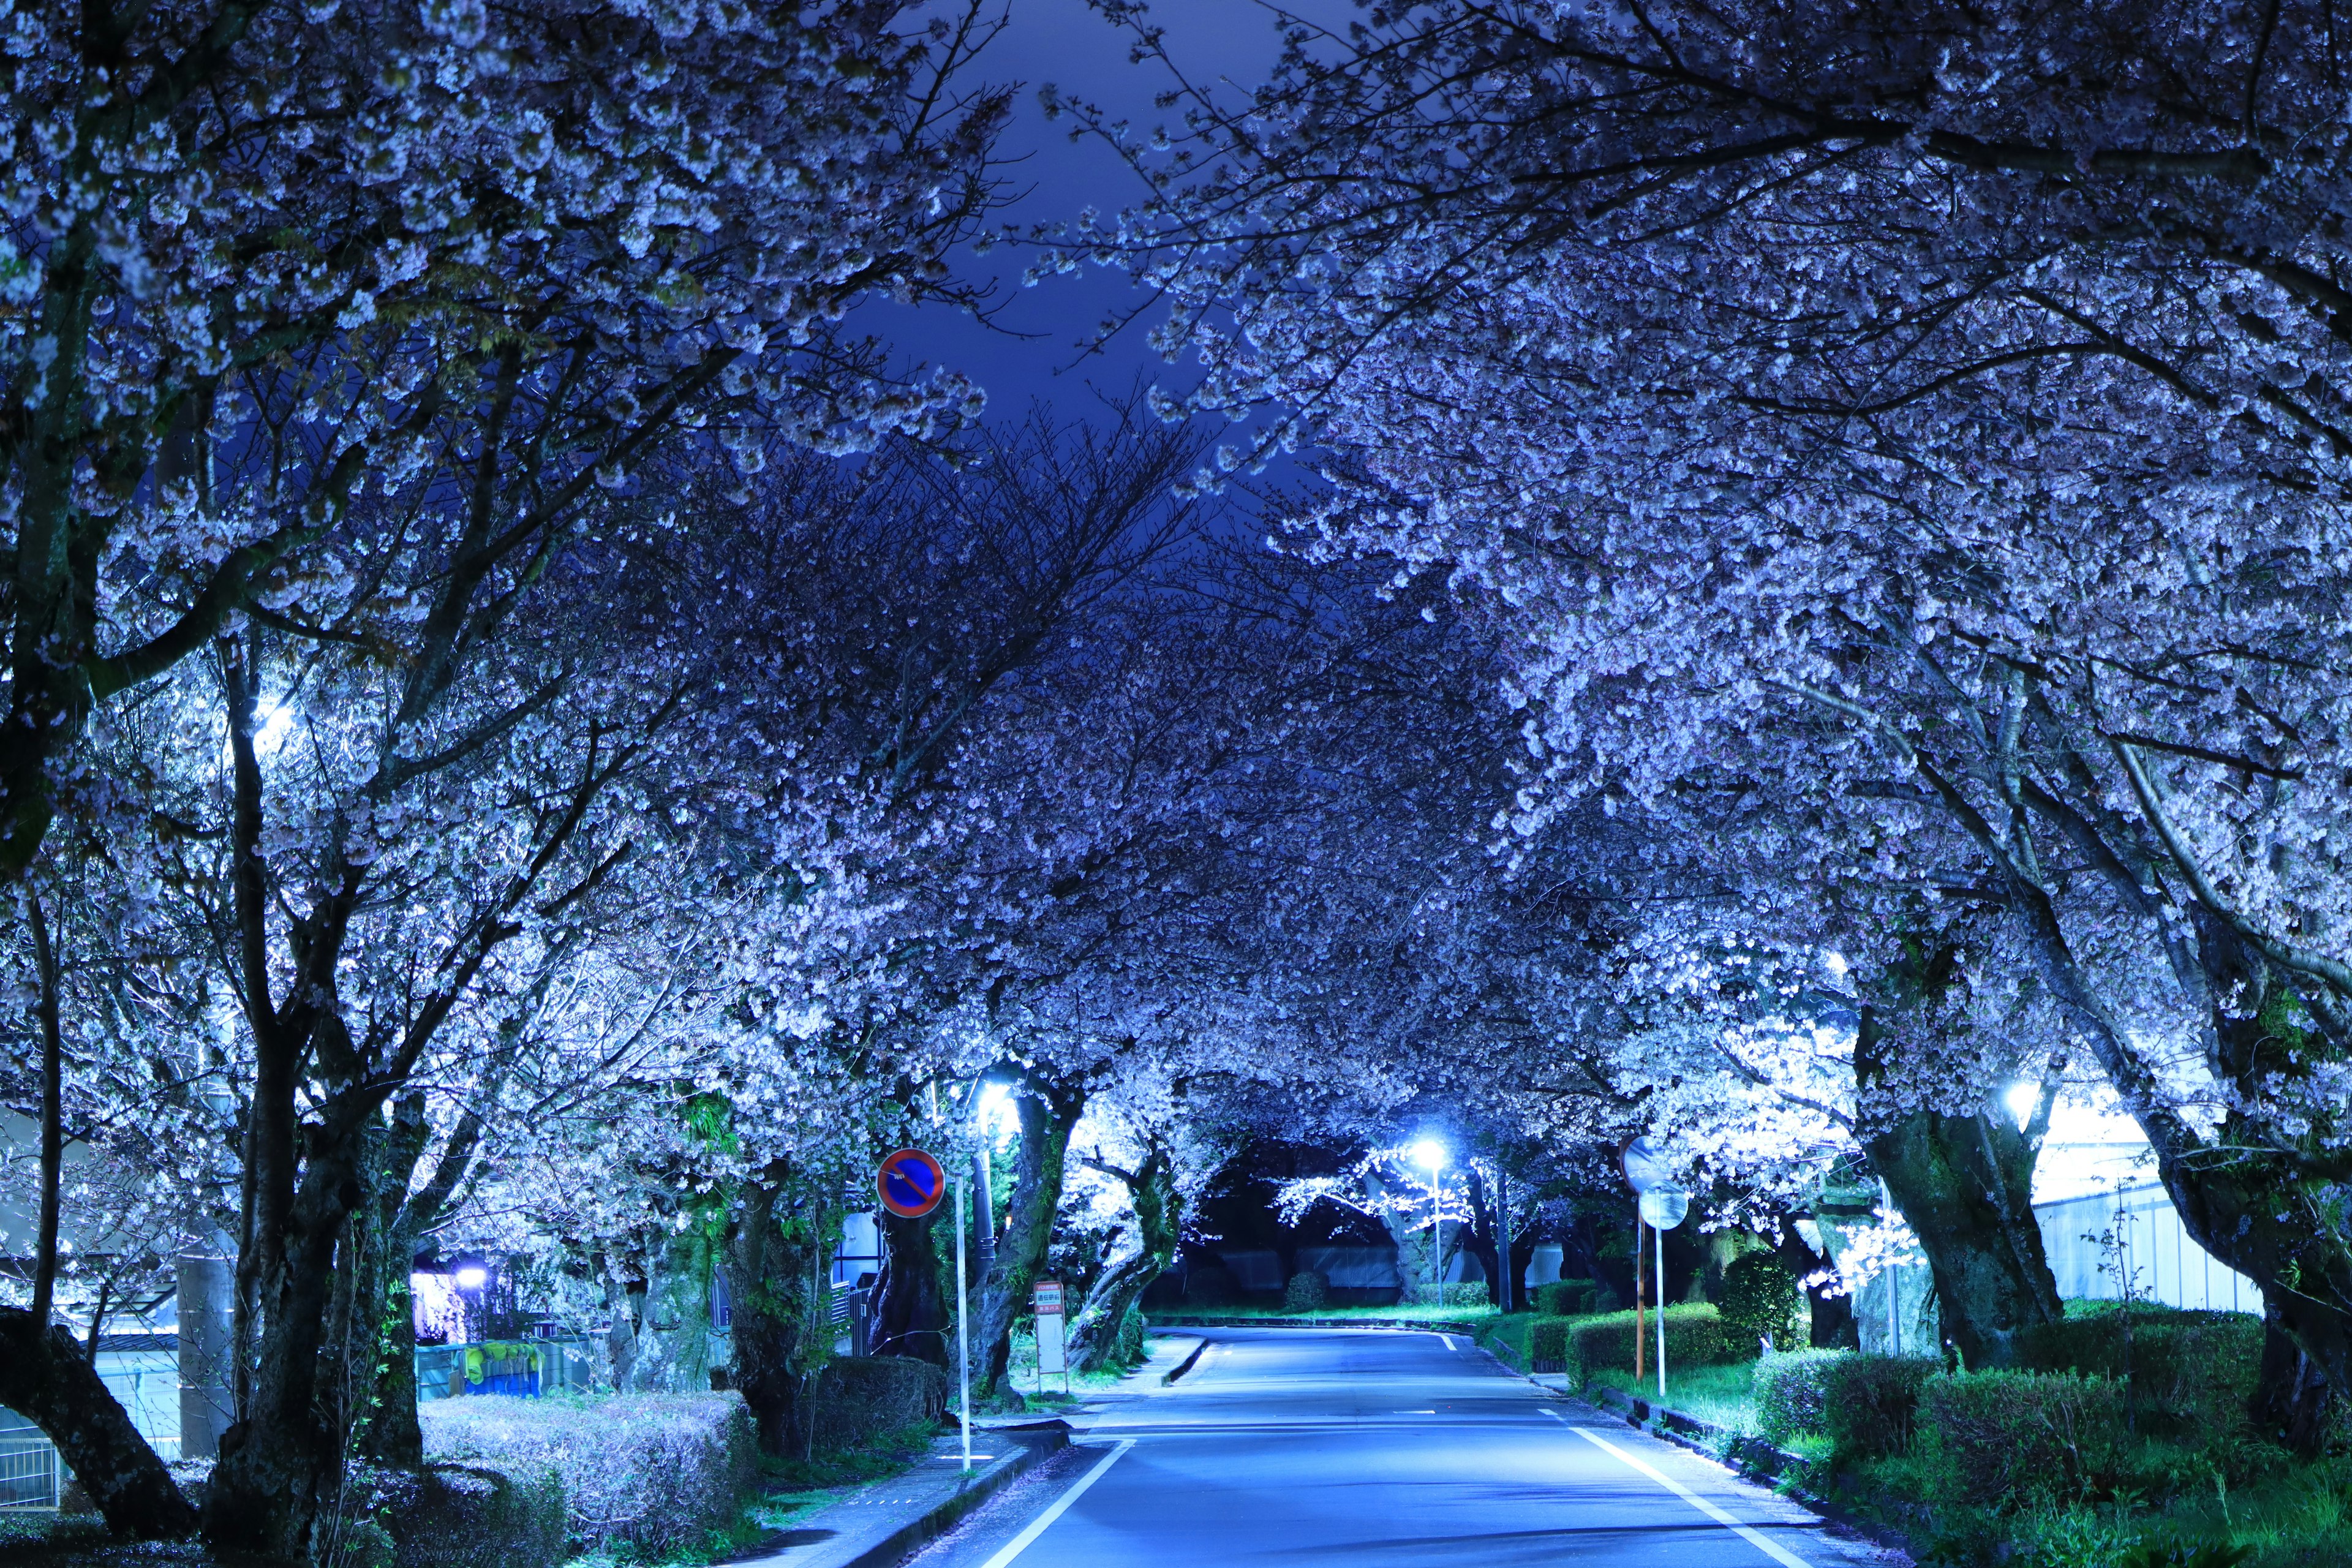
x=207, y=1294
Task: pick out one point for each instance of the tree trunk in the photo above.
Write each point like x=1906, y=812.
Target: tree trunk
x=767, y=1276
x=1158, y=1221
x=285, y=1452
x=1964, y=1185
x=910, y=1309
x=1832, y=1315
x=1049, y=1110
x=46, y=1378
x=1478, y=1235
x=2292, y=1401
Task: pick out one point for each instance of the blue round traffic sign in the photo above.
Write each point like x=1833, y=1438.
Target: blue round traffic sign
x=911, y=1184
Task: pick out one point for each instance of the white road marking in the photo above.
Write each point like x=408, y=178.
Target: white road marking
x=1021, y=1542
x=1446, y=1340
x=1775, y=1553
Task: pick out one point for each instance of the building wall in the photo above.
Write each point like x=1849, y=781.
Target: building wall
x=2155, y=1253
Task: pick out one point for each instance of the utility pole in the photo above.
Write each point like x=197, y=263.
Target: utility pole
x=963, y=1337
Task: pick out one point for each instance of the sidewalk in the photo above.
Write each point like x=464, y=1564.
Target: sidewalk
x=880, y=1524
x=883, y=1522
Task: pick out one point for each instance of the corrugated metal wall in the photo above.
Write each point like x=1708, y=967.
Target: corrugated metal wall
x=2155, y=1254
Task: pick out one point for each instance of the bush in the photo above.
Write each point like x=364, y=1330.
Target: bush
x=647, y=1473
x=1547, y=1344
x=855, y=1399
x=1867, y=1406
x=1128, y=1349
x=507, y=1515
x=1454, y=1293
x=1792, y=1395
x=2013, y=1438
x=2191, y=1369
x=1697, y=1335
x=1568, y=1297
x=1308, y=1290
x=1760, y=1296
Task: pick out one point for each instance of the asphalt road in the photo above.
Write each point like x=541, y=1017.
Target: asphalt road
x=1306, y=1447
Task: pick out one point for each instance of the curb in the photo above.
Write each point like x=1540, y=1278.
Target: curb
x=1410, y=1325
x=1033, y=1448
x=1182, y=1367
x=1751, y=1457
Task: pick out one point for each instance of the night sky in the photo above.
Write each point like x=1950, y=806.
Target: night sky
x=1066, y=43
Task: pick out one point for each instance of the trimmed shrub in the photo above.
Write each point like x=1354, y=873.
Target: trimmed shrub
x=1547, y=1344
x=1867, y=1405
x=1792, y=1395
x=855, y=1399
x=1307, y=1291
x=505, y=1515
x=2010, y=1438
x=648, y=1474
x=1760, y=1296
x=1697, y=1335
x=1568, y=1297
x=2189, y=1368
x=1454, y=1293
x=1872, y=1403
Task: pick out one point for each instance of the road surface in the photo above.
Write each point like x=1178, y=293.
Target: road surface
x=1298, y=1448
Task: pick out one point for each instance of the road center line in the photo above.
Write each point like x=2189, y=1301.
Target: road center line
x=1776, y=1554
x=1021, y=1542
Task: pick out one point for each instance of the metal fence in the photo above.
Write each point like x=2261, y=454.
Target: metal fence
x=30, y=1476
x=2097, y=1243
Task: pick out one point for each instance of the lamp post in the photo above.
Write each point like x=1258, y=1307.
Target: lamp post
x=1432, y=1153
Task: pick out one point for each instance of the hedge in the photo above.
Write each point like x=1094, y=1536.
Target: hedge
x=452, y=1515
x=1760, y=1295
x=642, y=1474
x=858, y=1398
x=2185, y=1367
x=2019, y=1438
x=1696, y=1336
x=1572, y=1298
x=1867, y=1405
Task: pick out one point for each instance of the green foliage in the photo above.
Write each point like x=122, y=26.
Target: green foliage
x=1760, y=1296
x=856, y=1397
x=1792, y=1394
x=1547, y=1343
x=2014, y=1438
x=1568, y=1297
x=1308, y=1291
x=1128, y=1349
x=1865, y=1406
x=642, y=1475
x=2186, y=1554
x=2189, y=1370
x=1455, y=1293
x=1697, y=1335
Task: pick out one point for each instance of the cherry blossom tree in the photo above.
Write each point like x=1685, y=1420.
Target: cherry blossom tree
x=1922, y=415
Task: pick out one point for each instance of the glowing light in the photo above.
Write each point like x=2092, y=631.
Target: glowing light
x=472, y=1277
x=998, y=1117
x=1429, y=1152
x=2021, y=1099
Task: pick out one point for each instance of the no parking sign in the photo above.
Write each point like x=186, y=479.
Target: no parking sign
x=911, y=1184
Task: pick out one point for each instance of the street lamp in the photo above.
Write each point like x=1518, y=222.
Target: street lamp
x=1432, y=1153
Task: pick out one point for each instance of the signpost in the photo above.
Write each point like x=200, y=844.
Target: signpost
x=1663, y=1208
x=1051, y=1354
x=1648, y=1168
x=911, y=1185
